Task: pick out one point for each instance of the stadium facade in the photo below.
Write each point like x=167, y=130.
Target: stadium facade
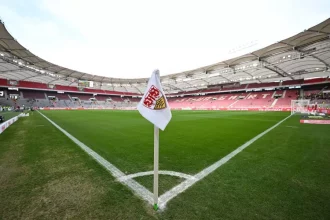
x=269, y=78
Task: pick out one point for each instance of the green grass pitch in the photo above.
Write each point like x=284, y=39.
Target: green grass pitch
x=283, y=175
x=9, y=115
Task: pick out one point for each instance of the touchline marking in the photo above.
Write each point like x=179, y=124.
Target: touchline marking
x=137, y=188
x=163, y=172
x=166, y=197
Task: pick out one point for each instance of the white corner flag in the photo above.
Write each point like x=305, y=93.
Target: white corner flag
x=154, y=107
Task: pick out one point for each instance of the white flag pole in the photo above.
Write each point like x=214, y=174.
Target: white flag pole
x=156, y=157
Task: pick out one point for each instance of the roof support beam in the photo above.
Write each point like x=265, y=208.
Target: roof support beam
x=251, y=76
x=80, y=78
x=175, y=87
x=8, y=71
x=31, y=77
x=225, y=78
x=319, y=32
x=5, y=38
x=71, y=83
x=71, y=73
x=124, y=88
x=272, y=67
x=190, y=84
x=276, y=70
x=319, y=59
x=59, y=70
x=9, y=74
x=234, y=72
x=42, y=61
x=50, y=66
x=311, y=55
x=53, y=81
x=92, y=77
x=26, y=57
x=205, y=81
x=137, y=88
x=16, y=49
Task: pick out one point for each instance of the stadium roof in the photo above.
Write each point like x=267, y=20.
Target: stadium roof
x=304, y=55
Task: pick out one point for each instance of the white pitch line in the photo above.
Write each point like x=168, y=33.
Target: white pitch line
x=175, y=191
x=163, y=172
x=144, y=193
x=137, y=188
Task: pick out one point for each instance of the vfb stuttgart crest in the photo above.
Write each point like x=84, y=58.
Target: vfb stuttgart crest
x=154, y=99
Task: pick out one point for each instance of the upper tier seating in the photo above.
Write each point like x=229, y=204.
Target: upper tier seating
x=262, y=85
x=84, y=97
x=32, y=94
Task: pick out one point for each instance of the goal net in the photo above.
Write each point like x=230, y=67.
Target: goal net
x=299, y=106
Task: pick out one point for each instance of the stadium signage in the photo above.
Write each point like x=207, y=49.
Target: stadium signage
x=6, y=124
x=11, y=121
x=324, y=122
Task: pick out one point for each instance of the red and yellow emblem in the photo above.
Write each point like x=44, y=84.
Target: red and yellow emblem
x=154, y=99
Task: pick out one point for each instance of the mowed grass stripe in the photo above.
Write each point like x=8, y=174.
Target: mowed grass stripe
x=44, y=175
x=189, y=144
x=164, y=199
x=283, y=175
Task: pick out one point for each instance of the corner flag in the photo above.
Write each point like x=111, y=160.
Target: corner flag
x=154, y=107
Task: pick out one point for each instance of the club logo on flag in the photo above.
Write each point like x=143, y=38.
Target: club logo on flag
x=154, y=99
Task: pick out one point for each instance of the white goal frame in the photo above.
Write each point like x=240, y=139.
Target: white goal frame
x=299, y=106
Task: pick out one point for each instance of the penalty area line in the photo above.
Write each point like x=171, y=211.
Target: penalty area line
x=175, y=191
x=137, y=188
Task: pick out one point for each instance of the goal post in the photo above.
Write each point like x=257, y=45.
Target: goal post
x=299, y=106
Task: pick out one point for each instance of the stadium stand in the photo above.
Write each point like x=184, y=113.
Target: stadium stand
x=59, y=96
x=102, y=98
x=292, y=82
x=82, y=97
x=255, y=99
x=31, y=94
x=266, y=78
x=32, y=85
x=233, y=99
x=285, y=100
x=316, y=81
x=263, y=85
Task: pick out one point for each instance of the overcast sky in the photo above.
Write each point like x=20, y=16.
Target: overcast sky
x=130, y=38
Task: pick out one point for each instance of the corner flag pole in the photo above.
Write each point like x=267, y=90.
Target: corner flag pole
x=154, y=107
x=156, y=158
